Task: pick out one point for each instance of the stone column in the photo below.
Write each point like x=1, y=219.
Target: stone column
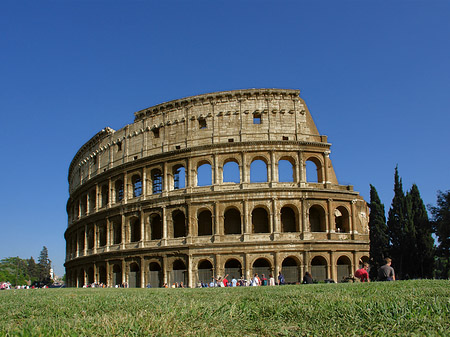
x=247, y=267
x=124, y=272
x=125, y=187
x=123, y=228
x=94, y=234
x=190, y=272
x=164, y=226
x=326, y=159
x=216, y=170
x=244, y=169
x=142, y=215
x=108, y=233
x=275, y=216
x=144, y=183
x=330, y=223
x=273, y=176
x=165, y=271
x=352, y=220
x=110, y=194
x=85, y=240
x=143, y=272
x=333, y=266
x=164, y=173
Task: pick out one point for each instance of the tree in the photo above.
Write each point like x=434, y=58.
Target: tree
x=32, y=268
x=423, y=257
x=379, y=239
x=44, y=266
x=441, y=226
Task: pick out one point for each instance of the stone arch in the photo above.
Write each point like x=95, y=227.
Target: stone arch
x=134, y=277
x=260, y=220
x=233, y=267
x=92, y=200
x=81, y=278
x=155, y=274
x=342, y=219
x=290, y=268
x=135, y=229
x=259, y=170
x=344, y=268
x=262, y=266
x=179, y=224
x=317, y=218
x=314, y=168
x=230, y=171
x=232, y=221
x=118, y=189
x=137, y=185
x=179, y=272
x=90, y=275
x=155, y=226
x=117, y=231
x=117, y=275
x=102, y=275
x=179, y=177
x=104, y=195
x=102, y=234
x=286, y=169
x=204, y=173
x=90, y=237
x=205, y=271
x=204, y=222
x=319, y=268
x=157, y=180
x=289, y=218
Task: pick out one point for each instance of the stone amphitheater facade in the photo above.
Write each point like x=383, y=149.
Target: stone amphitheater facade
x=210, y=185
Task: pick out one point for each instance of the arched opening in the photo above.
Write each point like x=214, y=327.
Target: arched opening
x=81, y=241
x=231, y=172
x=233, y=268
x=319, y=269
x=179, y=224
x=81, y=278
x=342, y=220
x=155, y=275
x=232, y=221
x=134, y=277
x=92, y=201
x=204, y=223
x=156, y=181
x=90, y=275
x=344, y=266
x=317, y=219
x=135, y=230
x=137, y=185
x=288, y=220
x=289, y=269
x=313, y=170
x=90, y=238
x=258, y=171
x=262, y=267
x=179, y=177
x=118, y=188
x=105, y=195
x=178, y=273
x=285, y=171
x=102, y=275
x=260, y=220
x=204, y=175
x=155, y=227
x=84, y=204
x=102, y=235
x=117, y=275
x=205, y=271
x=117, y=232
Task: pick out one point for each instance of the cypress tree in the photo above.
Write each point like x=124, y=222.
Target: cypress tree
x=44, y=266
x=379, y=240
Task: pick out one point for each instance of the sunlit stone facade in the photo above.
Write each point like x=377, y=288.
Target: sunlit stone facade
x=208, y=185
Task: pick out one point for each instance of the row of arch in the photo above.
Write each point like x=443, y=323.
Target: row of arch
x=230, y=172
x=154, y=275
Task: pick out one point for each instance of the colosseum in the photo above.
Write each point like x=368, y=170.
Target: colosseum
x=236, y=182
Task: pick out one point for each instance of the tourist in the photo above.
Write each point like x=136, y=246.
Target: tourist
x=271, y=280
x=362, y=273
x=255, y=281
x=280, y=279
x=263, y=280
x=233, y=282
x=307, y=279
x=225, y=281
x=386, y=272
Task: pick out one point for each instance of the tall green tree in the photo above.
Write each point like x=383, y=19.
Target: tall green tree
x=44, y=266
x=441, y=225
x=379, y=239
x=32, y=268
x=422, y=258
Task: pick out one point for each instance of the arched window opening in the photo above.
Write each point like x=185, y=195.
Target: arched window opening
x=157, y=181
x=231, y=172
x=289, y=269
x=232, y=221
x=90, y=275
x=178, y=273
x=102, y=235
x=314, y=171
x=234, y=269
x=102, y=275
x=119, y=190
x=105, y=195
x=202, y=123
x=135, y=230
x=257, y=119
x=117, y=275
x=344, y=266
x=81, y=242
x=342, y=220
x=258, y=171
x=179, y=224
x=135, y=276
x=285, y=171
x=260, y=220
x=288, y=220
x=91, y=238
x=92, y=201
x=117, y=232
x=319, y=269
x=155, y=227
x=155, y=275
x=80, y=280
x=137, y=186
x=179, y=177
x=317, y=219
x=204, y=223
x=204, y=175
x=205, y=272
x=84, y=204
x=262, y=267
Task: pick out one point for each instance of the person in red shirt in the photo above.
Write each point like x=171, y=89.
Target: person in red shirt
x=362, y=273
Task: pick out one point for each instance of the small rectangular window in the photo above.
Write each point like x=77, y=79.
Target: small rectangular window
x=230, y=140
x=257, y=118
x=177, y=147
x=135, y=157
x=156, y=133
x=285, y=138
x=202, y=123
x=119, y=146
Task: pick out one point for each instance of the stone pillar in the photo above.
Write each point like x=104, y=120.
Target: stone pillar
x=123, y=234
x=216, y=170
x=144, y=183
x=275, y=216
x=94, y=234
x=304, y=215
x=124, y=272
x=125, y=187
x=273, y=170
x=190, y=271
x=333, y=266
x=277, y=267
x=110, y=194
x=143, y=272
x=85, y=240
x=164, y=173
x=326, y=159
x=352, y=220
x=247, y=267
x=97, y=198
x=165, y=271
x=218, y=225
x=108, y=233
x=246, y=225
x=244, y=169
x=164, y=226
x=330, y=222
x=142, y=215
x=301, y=167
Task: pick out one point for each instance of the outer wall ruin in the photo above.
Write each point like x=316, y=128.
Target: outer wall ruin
x=210, y=185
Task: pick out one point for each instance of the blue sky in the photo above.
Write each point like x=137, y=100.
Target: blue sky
x=374, y=74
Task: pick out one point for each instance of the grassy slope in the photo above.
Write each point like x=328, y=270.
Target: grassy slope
x=400, y=308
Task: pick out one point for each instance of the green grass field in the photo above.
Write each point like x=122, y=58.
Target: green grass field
x=413, y=308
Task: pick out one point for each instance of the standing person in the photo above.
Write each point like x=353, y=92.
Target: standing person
x=386, y=272
x=233, y=282
x=307, y=279
x=280, y=278
x=255, y=281
x=225, y=281
x=271, y=280
x=362, y=273
x=263, y=280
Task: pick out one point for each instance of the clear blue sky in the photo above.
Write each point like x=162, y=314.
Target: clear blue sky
x=374, y=74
